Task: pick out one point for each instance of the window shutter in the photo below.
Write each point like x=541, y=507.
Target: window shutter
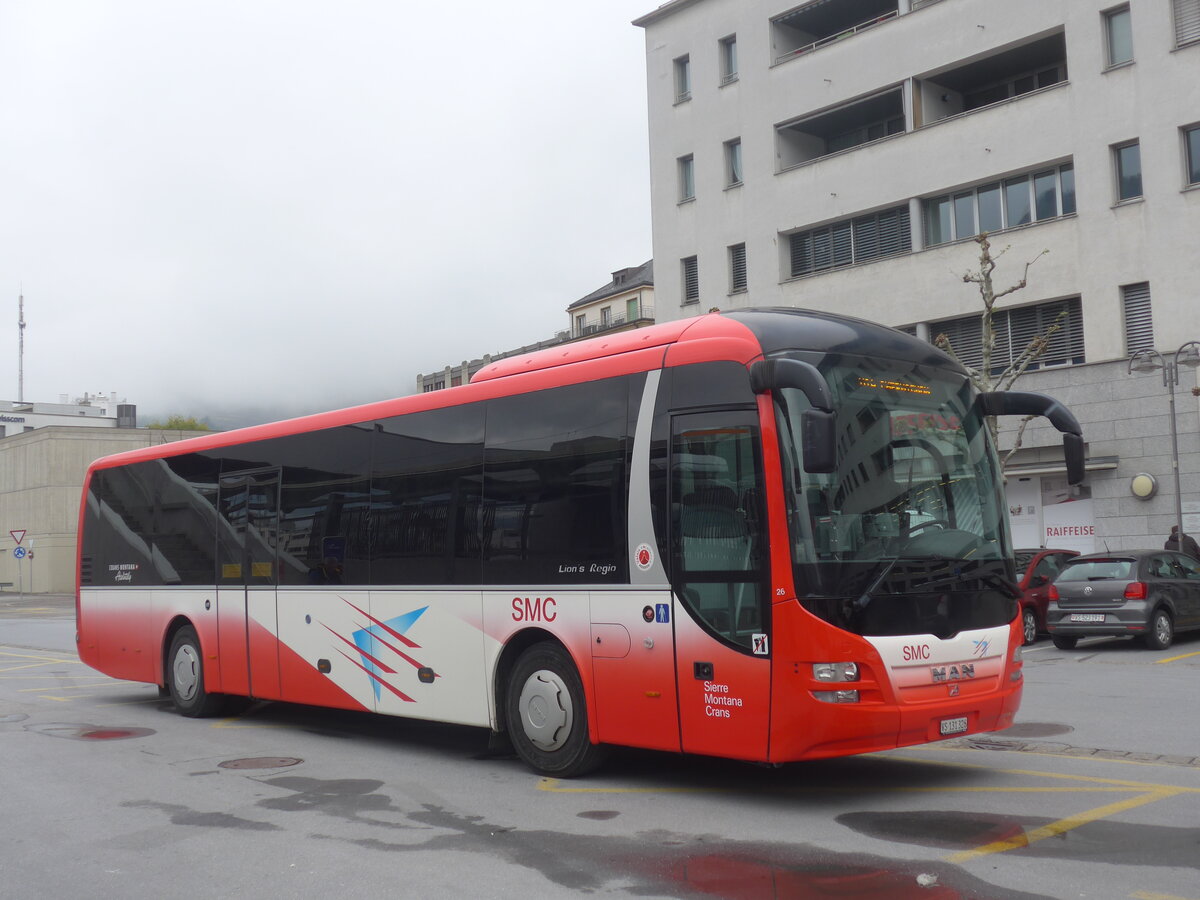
x=866, y=237
x=1023, y=326
x=966, y=338
x=1187, y=21
x=737, y=268
x=843, y=244
x=1139, y=327
x=822, y=248
x=802, y=253
x=895, y=234
x=691, y=280
x=1015, y=328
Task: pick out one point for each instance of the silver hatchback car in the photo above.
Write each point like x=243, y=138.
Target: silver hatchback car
x=1147, y=593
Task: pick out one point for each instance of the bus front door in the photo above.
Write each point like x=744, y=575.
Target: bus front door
x=719, y=559
x=248, y=573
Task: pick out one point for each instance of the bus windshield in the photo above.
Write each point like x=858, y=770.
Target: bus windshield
x=909, y=533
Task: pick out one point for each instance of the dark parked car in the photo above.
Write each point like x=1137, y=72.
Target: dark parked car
x=1035, y=570
x=1147, y=593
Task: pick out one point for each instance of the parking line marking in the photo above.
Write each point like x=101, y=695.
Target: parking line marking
x=554, y=786
x=1147, y=895
x=1172, y=659
x=1107, y=759
x=64, y=687
x=1063, y=825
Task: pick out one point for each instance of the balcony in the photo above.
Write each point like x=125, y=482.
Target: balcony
x=1005, y=75
x=643, y=315
x=861, y=122
x=825, y=22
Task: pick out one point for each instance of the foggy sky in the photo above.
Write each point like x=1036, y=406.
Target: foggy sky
x=288, y=206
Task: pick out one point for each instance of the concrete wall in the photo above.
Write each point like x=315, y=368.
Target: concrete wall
x=41, y=480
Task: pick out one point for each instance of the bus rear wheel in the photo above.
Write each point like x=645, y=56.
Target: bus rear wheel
x=185, y=677
x=547, y=714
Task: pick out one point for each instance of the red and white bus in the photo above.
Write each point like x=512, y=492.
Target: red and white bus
x=768, y=535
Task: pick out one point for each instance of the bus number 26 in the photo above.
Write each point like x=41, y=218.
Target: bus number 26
x=535, y=610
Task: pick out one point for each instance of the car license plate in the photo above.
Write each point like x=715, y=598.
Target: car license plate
x=954, y=726
x=1087, y=617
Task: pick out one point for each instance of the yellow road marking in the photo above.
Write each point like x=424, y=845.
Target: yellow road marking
x=38, y=663
x=234, y=722
x=1148, y=895
x=553, y=786
x=66, y=687
x=1176, y=658
x=1042, y=753
x=1061, y=826
x=1144, y=795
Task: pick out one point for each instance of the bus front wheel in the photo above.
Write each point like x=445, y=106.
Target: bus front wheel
x=547, y=714
x=185, y=676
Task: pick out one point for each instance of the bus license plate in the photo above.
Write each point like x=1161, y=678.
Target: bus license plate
x=1087, y=617
x=954, y=726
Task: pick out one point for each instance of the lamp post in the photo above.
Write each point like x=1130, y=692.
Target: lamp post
x=1149, y=360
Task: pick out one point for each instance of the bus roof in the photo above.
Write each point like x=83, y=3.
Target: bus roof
x=742, y=335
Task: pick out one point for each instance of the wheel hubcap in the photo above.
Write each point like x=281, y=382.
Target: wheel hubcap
x=1162, y=629
x=186, y=672
x=1030, y=628
x=546, y=710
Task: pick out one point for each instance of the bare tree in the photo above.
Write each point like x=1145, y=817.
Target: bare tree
x=984, y=378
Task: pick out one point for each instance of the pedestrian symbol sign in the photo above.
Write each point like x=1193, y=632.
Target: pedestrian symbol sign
x=18, y=535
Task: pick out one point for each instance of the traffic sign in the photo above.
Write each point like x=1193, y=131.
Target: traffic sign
x=18, y=534
x=19, y=552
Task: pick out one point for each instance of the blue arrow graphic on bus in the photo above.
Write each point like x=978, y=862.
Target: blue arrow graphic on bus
x=380, y=639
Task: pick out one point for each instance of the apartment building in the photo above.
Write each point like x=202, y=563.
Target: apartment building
x=842, y=154
x=625, y=303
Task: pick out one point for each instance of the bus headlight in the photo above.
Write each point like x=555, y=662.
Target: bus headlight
x=839, y=671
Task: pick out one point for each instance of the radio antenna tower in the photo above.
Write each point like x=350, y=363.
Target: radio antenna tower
x=21, y=348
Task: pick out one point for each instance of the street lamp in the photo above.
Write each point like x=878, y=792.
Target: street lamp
x=1150, y=360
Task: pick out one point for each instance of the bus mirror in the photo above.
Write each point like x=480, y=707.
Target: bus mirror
x=820, y=445
x=1025, y=403
x=772, y=374
x=1073, y=451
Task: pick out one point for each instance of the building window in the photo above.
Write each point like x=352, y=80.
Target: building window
x=1118, y=34
x=737, y=269
x=729, y=63
x=687, y=178
x=1191, y=148
x=580, y=324
x=1187, y=21
x=1139, y=327
x=851, y=241
x=691, y=280
x=733, y=162
x=1037, y=196
x=1015, y=328
x=606, y=317
x=683, y=79
x=1127, y=162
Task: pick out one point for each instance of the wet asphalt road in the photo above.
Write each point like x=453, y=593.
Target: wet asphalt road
x=1095, y=793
